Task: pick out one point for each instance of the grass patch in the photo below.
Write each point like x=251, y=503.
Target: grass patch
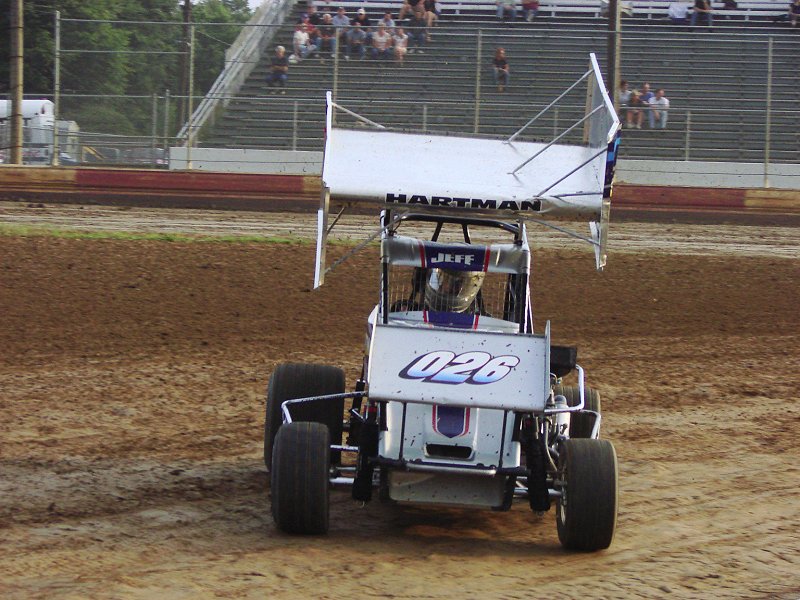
x=18, y=230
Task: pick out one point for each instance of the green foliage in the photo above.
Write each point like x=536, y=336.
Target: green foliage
x=118, y=59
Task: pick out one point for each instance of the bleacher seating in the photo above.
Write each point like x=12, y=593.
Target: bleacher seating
x=716, y=83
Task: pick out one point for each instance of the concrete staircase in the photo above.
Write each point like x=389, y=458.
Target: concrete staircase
x=716, y=82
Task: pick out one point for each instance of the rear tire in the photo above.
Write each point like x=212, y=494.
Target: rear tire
x=580, y=424
x=300, y=466
x=586, y=513
x=300, y=380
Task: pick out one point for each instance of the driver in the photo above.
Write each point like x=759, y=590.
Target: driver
x=447, y=290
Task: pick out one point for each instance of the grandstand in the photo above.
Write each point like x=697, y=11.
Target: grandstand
x=717, y=82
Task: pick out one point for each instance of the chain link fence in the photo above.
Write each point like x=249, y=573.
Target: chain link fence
x=732, y=93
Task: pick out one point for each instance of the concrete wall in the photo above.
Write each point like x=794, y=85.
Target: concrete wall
x=272, y=162
x=632, y=172
x=707, y=174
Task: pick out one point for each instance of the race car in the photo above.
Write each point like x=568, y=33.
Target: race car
x=461, y=401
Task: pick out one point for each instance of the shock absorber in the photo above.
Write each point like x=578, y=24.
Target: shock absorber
x=367, y=451
x=538, y=493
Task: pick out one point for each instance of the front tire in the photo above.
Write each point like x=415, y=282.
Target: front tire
x=580, y=423
x=586, y=513
x=300, y=490
x=301, y=380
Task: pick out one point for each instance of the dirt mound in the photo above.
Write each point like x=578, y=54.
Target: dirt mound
x=131, y=411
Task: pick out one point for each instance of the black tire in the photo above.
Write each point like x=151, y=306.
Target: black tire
x=299, y=380
x=300, y=466
x=586, y=513
x=580, y=424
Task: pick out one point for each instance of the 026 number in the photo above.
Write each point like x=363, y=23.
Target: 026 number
x=444, y=366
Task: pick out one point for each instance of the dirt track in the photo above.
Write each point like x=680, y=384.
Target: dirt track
x=131, y=407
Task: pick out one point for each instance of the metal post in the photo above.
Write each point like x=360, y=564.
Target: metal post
x=190, y=122
x=56, y=89
x=613, y=52
x=425, y=117
x=688, y=142
x=768, y=116
x=294, y=127
x=166, y=121
x=336, y=54
x=555, y=121
x=478, y=59
x=16, y=67
x=154, y=128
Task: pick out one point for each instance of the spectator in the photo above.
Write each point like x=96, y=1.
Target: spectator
x=502, y=71
x=530, y=9
x=365, y=22
x=382, y=44
x=303, y=48
x=311, y=30
x=702, y=8
x=659, y=110
x=279, y=69
x=327, y=35
x=341, y=21
x=728, y=5
x=635, y=113
x=432, y=11
x=506, y=8
x=678, y=13
x=646, y=95
x=314, y=17
x=388, y=22
x=356, y=40
x=417, y=32
x=400, y=42
x=794, y=12
x=623, y=98
x=415, y=7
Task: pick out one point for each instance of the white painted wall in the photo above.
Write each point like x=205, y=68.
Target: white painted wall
x=271, y=162
x=636, y=172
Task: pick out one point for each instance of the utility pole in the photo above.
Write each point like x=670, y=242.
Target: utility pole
x=614, y=51
x=184, y=66
x=16, y=72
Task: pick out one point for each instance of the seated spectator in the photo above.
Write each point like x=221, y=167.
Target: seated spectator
x=311, y=30
x=278, y=69
x=417, y=34
x=388, y=22
x=400, y=43
x=646, y=95
x=506, y=9
x=341, y=21
x=415, y=7
x=702, y=10
x=502, y=71
x=314, y=17
x=365, y=22
x=794, y=12
x=356, y=40
x=303, y=48
x=659, y=110
x=729, y=5
x=678, y=13
x=635, y=112
x=432, y=11
x=381, y=44
x=623, y=97
x=327, y=35
x=530, y=9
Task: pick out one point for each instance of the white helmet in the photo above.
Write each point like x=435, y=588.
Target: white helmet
x=448, y=290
